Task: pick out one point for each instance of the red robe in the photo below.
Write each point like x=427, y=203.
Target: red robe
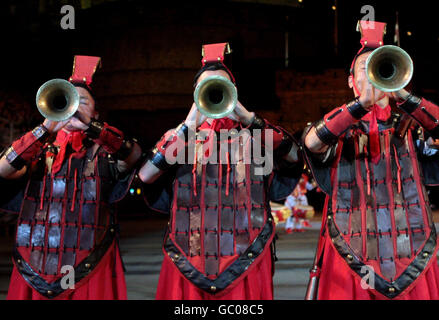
x=67, y=217
x=376, y=216
x=106, y=282
x=256, y=284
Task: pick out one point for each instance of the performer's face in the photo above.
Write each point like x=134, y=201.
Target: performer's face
x=360, y=73
x=86, y=111
x=361, y=80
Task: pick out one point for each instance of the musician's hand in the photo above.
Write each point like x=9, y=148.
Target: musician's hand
x=54, y=126
x=398, y=96
x=369, y=95
x=242, y=115
x=195, y=118
x=80, y=120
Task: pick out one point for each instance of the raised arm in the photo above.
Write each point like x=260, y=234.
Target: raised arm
x=326, y=132
x=22, y=151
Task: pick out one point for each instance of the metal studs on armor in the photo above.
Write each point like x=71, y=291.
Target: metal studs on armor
x=49, y=292
x=391, y=290
x=88, y=265
x=425, y=254
x=350, y=257
x=18, y=261
x=213, y=288
x=250, y=255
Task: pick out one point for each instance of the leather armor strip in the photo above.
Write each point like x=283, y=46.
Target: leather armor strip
x=410, y=104
x=389, y=289
x=257, y=123
x=53, y=289
x=326, y=136
x=234, y=271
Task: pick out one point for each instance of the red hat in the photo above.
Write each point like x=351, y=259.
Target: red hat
x=84, y=68
x=372, y=34
x=214, y=53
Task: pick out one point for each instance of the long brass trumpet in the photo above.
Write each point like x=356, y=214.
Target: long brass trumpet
x=389, y=68
x=57, y=100
x=216, y=97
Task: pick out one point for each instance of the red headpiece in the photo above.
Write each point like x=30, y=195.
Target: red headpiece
x=372, y=34
x=84, y=68
x=214, y=53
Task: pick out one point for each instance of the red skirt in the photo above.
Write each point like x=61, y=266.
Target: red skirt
x=338, y=281
x=105, y=282
x=256, y=284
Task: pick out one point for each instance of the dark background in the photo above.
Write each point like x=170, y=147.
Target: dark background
x=152, y=49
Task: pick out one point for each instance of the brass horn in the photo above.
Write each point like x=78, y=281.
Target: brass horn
x=216, y=97
x=389, y=68
x=57, y=100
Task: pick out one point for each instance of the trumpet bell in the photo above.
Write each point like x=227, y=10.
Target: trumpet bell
x=389, y=68
x=57, y=100
x=216, y=97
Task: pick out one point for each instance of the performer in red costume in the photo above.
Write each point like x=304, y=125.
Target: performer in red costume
x=62, y=179
x=301, y=211
x=378, y=239
x=218, y=243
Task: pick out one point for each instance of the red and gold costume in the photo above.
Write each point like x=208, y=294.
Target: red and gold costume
x=65, y=206
x=377, y=222
x=218, y=243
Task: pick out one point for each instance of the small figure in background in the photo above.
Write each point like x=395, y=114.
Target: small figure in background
x=301, y=211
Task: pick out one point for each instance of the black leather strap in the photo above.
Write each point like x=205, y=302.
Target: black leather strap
x=257, y=123
x=94, y=129
x=14, y=159
x=41, y=133
x=410, y=104
x=326, y=136
x=356, y=109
